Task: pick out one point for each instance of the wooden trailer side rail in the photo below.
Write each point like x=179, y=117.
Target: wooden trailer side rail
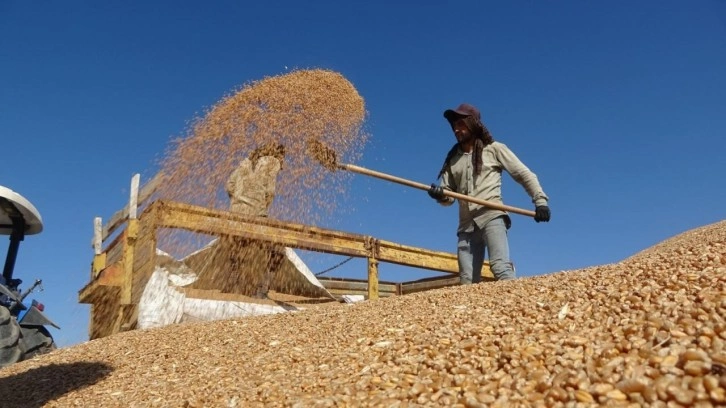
x=121, y=271
x=101, y=232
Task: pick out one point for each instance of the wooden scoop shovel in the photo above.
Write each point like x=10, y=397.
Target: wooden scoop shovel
x=328, y=159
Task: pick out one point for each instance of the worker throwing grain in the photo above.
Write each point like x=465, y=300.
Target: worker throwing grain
x=473, y=167
x=251, y=186
x=251, y=189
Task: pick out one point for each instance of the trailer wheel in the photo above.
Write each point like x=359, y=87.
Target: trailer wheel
x=36, y=340
x=11, y=348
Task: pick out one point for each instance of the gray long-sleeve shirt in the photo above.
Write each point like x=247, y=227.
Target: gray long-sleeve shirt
x=459, y=177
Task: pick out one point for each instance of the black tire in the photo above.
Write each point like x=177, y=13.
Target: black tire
x=11, y=347
x=36, y=340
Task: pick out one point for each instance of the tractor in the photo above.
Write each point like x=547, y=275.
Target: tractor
x=23, y=332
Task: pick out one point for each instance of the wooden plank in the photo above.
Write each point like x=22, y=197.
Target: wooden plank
x=115, y=250
x=358, y=286
x=364, y=292
x=93, y=292
x=417, y=257
x=145, y=251
x=290, y=235
x=372, y=278
x=141, y=277
x=134, y=196
x=217, y=222
x=273, y=297
x=112, y=276
x=97, y=235
x=149, y=188
x=428, y=284
x=120, y=216
x=103, y=314
x=126, y=318
x=145, y=260
x=170, y=206
x=423, y=258
x=128, y=261
x=146, y=240
x=486, y=272
x=344, y=281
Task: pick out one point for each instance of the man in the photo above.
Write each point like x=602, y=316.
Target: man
x=235, y=264
x=251, y=186
x=251, y=189
x=474, y=167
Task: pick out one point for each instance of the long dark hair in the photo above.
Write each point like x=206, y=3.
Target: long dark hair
x=482, y=137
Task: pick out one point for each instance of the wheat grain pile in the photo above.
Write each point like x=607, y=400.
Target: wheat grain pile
x=648, y=331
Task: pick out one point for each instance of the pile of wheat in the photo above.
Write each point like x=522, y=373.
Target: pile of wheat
x=648, y=331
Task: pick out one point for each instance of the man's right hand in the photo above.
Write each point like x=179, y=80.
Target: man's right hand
x=542, y=213
x=436, y=192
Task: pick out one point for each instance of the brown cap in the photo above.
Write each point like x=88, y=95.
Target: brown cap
x=462, y=110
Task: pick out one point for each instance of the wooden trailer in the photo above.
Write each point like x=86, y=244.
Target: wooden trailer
x=126, y=255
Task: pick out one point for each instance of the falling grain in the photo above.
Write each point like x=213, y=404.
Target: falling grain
x=296, y=110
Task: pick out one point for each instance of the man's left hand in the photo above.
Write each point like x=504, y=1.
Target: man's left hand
x=542, y=213
x=437, y=192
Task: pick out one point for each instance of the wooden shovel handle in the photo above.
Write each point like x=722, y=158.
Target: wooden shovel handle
x=421, y=186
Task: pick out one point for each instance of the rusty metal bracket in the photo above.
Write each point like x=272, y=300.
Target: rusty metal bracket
x=373, y=246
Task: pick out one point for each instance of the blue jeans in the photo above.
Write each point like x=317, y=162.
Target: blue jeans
x=471, y=248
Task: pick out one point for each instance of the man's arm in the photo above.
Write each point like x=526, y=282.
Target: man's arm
x=445, y=183
x=521, y=174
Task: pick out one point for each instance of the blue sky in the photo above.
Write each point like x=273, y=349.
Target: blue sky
x=619, y=107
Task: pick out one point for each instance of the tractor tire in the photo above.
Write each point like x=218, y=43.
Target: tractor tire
x=11, y=346
x=36, y=340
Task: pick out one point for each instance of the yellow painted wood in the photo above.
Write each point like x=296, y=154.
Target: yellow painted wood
x=486, y=272
x=99, y=263
x=284, y=234
x=417, y=257
x=144, y=261
x=372, y=278
x=422, y=258
x=216, y=222
x=128, y=261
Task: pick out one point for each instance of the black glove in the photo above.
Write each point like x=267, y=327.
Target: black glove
x=542, y=213
x=436, y=192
